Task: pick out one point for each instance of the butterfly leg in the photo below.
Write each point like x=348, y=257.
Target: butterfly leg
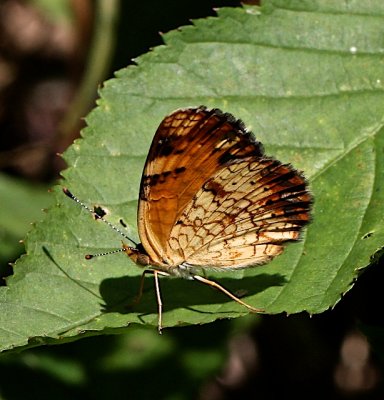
x=156, y=273
x=137, y=299
x=159, y=302
x=226, y=292
x=139, y=295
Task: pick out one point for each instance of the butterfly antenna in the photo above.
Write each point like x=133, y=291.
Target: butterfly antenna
x=89, y=256
x=116, y=229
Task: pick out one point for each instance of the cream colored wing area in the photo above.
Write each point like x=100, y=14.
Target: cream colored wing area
x=242, y=215
x=236, y=257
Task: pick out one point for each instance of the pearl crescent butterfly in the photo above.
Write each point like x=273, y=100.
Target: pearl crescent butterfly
x=210, y=199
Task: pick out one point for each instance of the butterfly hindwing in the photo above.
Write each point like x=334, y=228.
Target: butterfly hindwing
x=242, y=215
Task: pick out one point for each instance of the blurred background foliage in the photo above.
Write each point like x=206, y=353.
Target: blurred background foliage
x=53, y=56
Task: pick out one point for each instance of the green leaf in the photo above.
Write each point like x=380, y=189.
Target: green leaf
x=307, y=78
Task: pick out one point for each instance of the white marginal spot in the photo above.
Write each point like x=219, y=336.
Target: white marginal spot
x=353, y=49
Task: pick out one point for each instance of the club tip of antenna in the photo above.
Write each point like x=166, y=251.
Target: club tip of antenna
x=67, y=192
x=88, y=256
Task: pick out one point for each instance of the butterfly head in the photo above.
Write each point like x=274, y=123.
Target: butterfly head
x=137, y=254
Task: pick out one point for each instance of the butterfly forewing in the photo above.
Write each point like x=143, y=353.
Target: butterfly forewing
x=189, y=147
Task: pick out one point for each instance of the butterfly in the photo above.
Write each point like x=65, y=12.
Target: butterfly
x=210, y=199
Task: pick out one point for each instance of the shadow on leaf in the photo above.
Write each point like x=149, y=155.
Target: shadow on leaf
x=178, y=293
